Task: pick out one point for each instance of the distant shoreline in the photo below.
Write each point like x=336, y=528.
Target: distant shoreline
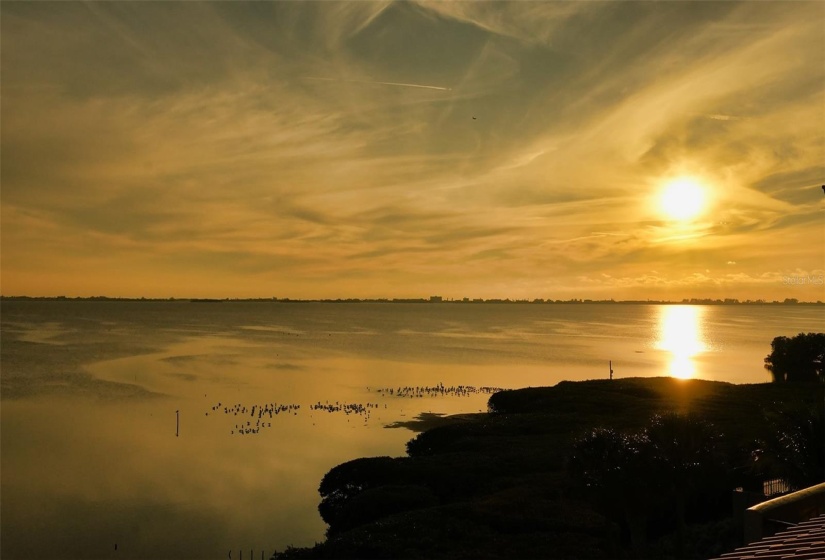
x=431, y=300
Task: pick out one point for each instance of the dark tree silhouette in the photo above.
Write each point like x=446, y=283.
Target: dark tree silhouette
x=382, y=501
x=631, y=476
x=685, y=455
x=613, y=469
x=347, y=480
x=795, y=447
x=798, y=359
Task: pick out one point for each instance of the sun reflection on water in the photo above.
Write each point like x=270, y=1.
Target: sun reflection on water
x=680, y=334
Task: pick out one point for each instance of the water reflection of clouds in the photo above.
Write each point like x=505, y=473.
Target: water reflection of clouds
x=117, y=473
x=116, y=457
x=681, y=334
x=43, y=333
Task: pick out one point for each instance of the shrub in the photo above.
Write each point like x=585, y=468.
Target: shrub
x=797, y=359
x=383, y=501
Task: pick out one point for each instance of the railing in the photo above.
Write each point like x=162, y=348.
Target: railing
x=767, y=518
x=775, y=486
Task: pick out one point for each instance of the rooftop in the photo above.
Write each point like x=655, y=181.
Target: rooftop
x=803, y=541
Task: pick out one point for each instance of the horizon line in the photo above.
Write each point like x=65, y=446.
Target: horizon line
x=430, y=299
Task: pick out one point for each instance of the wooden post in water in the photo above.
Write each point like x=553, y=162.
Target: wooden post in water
x=177, y=423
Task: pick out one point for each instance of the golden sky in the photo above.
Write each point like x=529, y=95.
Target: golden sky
x=371, y=149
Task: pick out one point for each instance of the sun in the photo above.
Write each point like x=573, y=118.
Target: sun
x=682, y=199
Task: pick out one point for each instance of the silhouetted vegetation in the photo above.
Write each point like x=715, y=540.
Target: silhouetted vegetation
x=658, y=469
x=592, y=469
x=798, y=359
x=612, y=469
x=794, y=447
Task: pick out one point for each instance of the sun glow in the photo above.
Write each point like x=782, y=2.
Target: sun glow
x=682, y=199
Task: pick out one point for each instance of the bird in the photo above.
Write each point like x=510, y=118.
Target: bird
x=822, y=186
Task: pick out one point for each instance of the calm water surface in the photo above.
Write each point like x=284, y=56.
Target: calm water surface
x=93, y=394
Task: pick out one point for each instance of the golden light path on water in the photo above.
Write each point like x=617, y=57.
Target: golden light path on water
x=91, y=457
x=681, y=334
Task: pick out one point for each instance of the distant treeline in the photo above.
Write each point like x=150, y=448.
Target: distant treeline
x=433, y=299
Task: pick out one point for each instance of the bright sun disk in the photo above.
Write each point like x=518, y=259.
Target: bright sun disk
x=682, y=199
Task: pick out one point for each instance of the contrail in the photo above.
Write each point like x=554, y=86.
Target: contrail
x=400, y=84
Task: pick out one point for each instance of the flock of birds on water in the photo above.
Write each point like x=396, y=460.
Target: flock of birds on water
x=252, y=419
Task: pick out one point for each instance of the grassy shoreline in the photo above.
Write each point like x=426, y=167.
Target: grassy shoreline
x=495, y=485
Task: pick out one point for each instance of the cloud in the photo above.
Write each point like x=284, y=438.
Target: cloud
x=422, y=86
x=287, y=146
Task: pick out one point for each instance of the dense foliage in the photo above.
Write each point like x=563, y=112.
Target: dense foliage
x=655, y=470
x=799, y=359
x=794, y=448
x=537, y=478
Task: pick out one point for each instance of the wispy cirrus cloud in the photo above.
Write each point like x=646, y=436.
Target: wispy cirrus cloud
x=383, y=149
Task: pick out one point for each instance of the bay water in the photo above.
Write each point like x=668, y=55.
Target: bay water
x=174, y=429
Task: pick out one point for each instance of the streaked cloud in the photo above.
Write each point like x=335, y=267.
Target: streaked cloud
x=497, y=149
x=422, y=86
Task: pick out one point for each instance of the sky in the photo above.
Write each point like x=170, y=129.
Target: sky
x=409, y=149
